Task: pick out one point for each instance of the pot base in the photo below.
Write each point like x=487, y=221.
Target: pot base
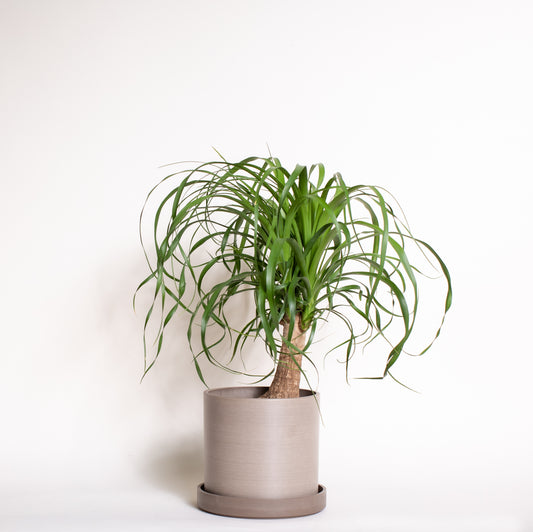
x=261, y=508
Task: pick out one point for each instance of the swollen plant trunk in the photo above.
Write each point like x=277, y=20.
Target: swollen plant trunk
x=286, y=383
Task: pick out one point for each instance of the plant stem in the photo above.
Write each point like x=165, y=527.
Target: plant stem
x=286, y=383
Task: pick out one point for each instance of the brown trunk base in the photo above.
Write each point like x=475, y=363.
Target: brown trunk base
x=286, y=383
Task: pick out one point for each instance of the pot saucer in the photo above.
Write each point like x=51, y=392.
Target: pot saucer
x=261, y=508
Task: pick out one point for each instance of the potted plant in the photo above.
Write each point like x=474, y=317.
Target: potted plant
x=305, y=248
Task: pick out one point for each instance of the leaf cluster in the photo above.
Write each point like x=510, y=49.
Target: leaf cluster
x=303, y=245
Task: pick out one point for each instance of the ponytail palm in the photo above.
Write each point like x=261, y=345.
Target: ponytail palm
x=306, y=247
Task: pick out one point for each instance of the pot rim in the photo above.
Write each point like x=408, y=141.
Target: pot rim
x=308, y=395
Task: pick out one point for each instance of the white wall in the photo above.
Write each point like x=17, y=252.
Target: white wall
x=429, y=99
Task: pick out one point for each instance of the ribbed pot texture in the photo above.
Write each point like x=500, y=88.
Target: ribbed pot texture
x=260, y=448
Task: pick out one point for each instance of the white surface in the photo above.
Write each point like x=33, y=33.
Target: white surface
x=429, y=99
x=147, y=511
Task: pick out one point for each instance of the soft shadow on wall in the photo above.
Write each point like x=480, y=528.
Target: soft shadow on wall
x=176, y=466
x=162, y=416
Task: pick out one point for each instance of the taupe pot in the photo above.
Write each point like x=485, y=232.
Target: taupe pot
x=261, y=455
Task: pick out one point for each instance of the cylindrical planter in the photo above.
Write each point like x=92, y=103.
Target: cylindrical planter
x=261, y=455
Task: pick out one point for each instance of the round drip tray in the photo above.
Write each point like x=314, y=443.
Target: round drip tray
x=261, y=508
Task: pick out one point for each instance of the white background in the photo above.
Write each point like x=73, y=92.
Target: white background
x=432, y=100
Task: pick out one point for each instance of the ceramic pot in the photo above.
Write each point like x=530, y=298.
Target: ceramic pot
x=261, y=455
